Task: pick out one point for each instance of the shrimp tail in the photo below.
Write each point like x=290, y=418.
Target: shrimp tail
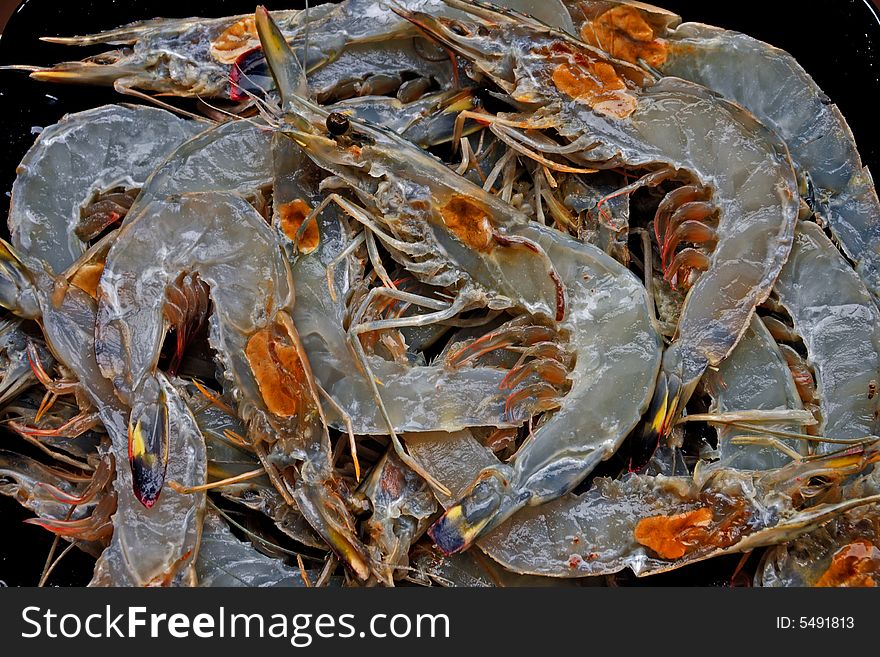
x=490, y=502
x=148, y=439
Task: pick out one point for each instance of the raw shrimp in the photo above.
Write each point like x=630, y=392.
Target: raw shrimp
x=610, y=333
x=769, y=83
x=153, y=545
x=838, y=323
x=219, y=58
x=833, y=313
x=417, y=396
x=741, y=202
x=84, y=155
x=519, y=271
x=428, y=243
x=185, y=57
x=493, y=255
x=652, y=524
x=224, y=241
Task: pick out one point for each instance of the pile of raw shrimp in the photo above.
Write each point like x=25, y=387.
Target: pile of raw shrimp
x=446, y=293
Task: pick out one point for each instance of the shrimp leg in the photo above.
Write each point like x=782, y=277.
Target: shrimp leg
x=442, y=313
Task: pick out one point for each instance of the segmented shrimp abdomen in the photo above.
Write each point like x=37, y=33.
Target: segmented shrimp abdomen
x=835, y=316
x=85, y=153
x=772, y=85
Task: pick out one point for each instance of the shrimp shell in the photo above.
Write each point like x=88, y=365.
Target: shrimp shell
x=84, y=153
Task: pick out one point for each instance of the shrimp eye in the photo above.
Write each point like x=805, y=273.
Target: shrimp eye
x=337, y=124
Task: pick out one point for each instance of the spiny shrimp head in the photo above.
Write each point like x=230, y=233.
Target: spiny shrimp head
x=328, y=137
x=335, y=143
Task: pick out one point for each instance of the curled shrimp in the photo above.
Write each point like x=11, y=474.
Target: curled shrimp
x=833, y=313
x=223, y=240
x=83, y=155
x=153, y=545
x=495, y=257
x=610, y=333
x=764, y=80
x=431, y=239
x=655, y=524
x=138, y=554
x=838, y=322
x=738, y=208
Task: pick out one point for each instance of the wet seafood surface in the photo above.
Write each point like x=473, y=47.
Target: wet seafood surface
x=441, y=293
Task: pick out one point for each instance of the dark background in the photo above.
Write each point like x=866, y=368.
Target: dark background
x=838, y=46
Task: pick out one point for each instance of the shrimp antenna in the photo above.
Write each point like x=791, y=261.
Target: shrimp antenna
x=800, y=436
x=50, y=564
x=235, y=117
x=305, y=55
x=268, y=111
x=251, y=535
x=251, y=94
x=50, y=567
